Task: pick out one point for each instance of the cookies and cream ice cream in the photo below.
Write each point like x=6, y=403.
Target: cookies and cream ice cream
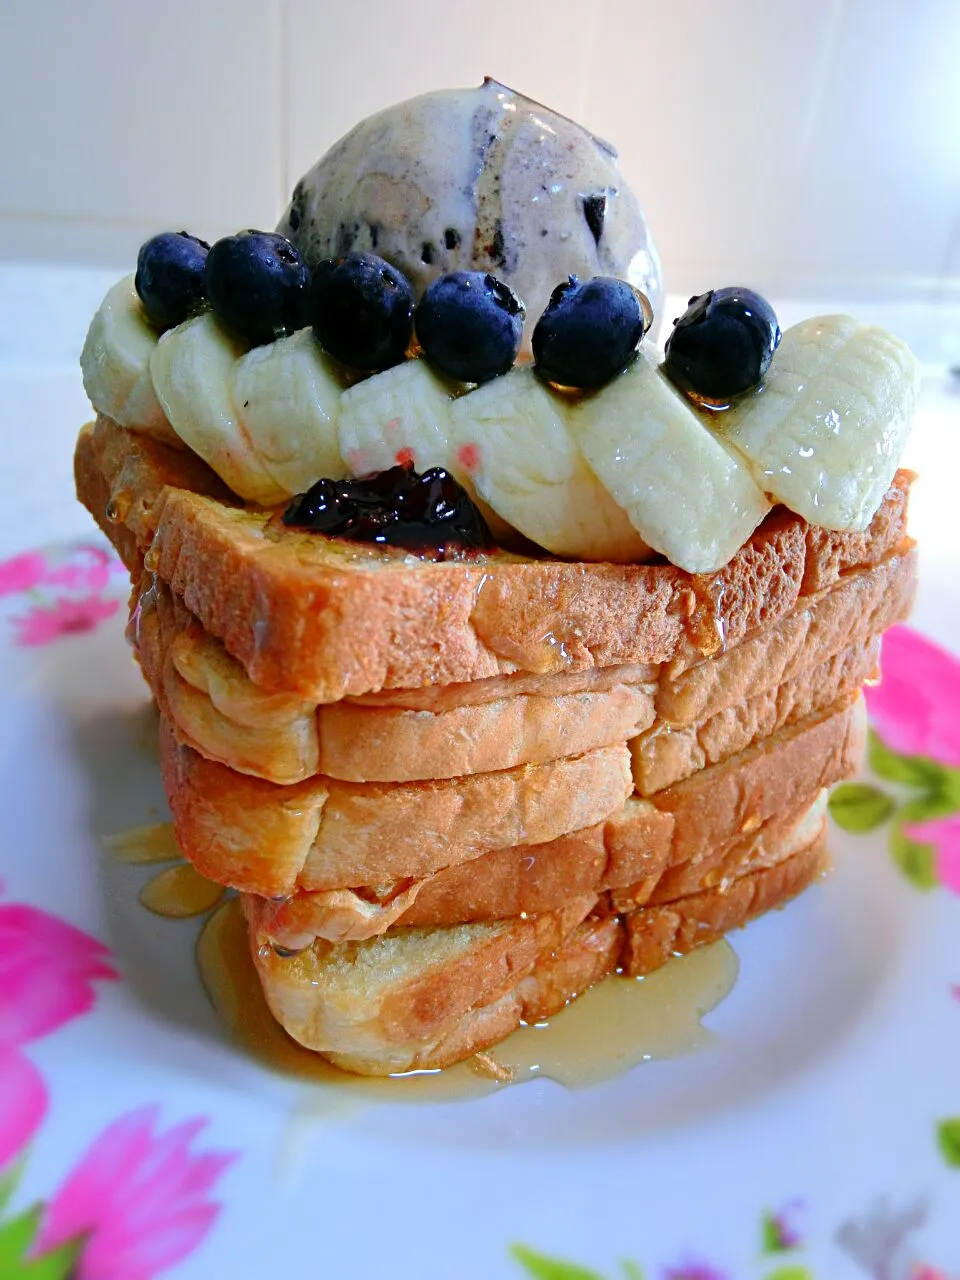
x=476, y=179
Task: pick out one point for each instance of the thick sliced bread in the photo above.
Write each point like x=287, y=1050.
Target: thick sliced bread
x=862, y=604
x=418, y=999
x=324, y=834
x=655, y=933
x=120, y=475
x=325, y=619
x=663, y=756
x=272, y=840
x=629, y=855
x=230, y=720
x=219, y=711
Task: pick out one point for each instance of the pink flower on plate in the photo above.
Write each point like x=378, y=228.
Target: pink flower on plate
x=23, y=1103
x=65, y=616
x=916, y=705
x=88, y=568
x=22, y=572
x=47, y=972
x=944, y=833
x=139, y=1198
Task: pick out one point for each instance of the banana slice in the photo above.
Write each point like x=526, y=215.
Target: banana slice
x=398, y=415
x=403, y=415
x=287, y=395
x=192, y=369
x=688, y=495
x=511, y=436
x=115, y=363
x=825, y=431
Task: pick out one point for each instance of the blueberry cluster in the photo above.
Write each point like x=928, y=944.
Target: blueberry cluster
x=398, y=507
x=256, y=282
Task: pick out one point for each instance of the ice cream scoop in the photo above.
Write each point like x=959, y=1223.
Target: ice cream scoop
x=476, y=179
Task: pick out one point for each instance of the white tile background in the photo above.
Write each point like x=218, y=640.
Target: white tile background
x=808, y=147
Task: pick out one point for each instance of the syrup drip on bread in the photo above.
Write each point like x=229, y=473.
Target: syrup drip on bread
x=610, y=1029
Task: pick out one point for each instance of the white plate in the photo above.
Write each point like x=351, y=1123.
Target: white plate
x=810, y=1139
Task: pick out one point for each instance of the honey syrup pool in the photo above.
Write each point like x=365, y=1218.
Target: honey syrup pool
x=611, y=1028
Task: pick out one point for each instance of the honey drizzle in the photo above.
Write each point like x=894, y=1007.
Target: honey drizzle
x=618, y=1024
x=180, y=892
x=154, y=843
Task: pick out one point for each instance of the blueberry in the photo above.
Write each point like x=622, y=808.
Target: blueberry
x=397, y=507
x=722, y=344
x=589, y=331
x=361, y=309
x=257, y=284
x=469, y=325
x=169, y=279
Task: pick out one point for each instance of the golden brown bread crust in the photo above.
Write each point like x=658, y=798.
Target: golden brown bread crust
x=529, y=878
x=131, y=470
x=663, y=756
x=413, y=987
x=324, y=834
x=293, y=607
x=847, y=612
x=654, y=934
x=272, y=840
x=283, y=739
x=708, y=712
x=630, y=855
x=421, y=999
x=773, y=776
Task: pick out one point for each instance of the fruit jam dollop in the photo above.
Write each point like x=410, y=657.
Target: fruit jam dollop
x=400, y=507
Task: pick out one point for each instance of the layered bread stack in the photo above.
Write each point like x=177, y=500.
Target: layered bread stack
x=454, y=795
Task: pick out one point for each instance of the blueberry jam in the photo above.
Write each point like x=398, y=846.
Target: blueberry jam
x=397, y=508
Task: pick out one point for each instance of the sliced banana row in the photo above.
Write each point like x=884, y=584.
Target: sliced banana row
x=621, y=474
x=115, y=363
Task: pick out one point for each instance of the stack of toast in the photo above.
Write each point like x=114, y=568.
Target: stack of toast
x=455, y=795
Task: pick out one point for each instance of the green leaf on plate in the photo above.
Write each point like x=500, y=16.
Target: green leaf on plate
x=771, y=1236
x=935, y=804
x=59, y=1264
x=950, y=786
x=948, y=1140
x=790, y=1273
x=911, y=771
x=855, y=806
x=541, y=1267
x=917, y=861
x=630, y=1270
x=16, y=1237
x=10, y=1179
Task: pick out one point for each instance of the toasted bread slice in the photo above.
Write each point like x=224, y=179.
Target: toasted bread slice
x=663, y=755
x=630, y=855
x=859, y=605
x=281, y=738
x=417, y=999
x=323, y=835
x=522, y=719
x=325, y=619
x=120, y=475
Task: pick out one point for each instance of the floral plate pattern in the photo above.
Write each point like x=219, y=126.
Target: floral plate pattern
x=817, y=1139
